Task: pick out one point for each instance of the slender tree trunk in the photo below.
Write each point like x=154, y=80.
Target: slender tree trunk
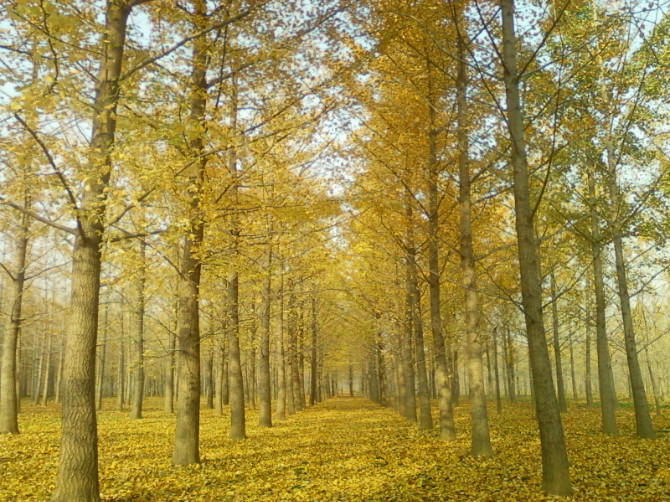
x=425, y=417
x=588, y=387
x=168, y=405
x=281, y=356
x=573, y=378
x=47, y=373
x=300, y=336
x=408, y=374
x=644, y=426
x=562, y=404
x=480, y=441
x=264, y=384
x=293, y=353
x=209, y=381
x=120, y=371
x=315, y=362
x=39, y=366
x=59, y=371
x=186, y=448
x=608, y=403
x=138, y=335
x=220, y=375
x=381, y=370
x=654, y=386
x=9, y=403
x=495, y=367
x=442, y=384
x=101, y=360
x=555, y=475
x=235, y=383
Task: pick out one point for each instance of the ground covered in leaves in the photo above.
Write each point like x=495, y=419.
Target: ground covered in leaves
x=345, y=449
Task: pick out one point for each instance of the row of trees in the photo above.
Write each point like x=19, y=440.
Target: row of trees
x=305, y=192
x=184, y=195
x=547, y=143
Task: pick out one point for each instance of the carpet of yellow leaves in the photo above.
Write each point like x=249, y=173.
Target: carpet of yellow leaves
x=345, y=449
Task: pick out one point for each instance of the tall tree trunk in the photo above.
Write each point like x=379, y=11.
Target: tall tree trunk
x=101, y=359
x=314, y=361
x=8, y=368
x=573, y=378
x=455, y=377
x=281, y=355
x=423, y=392
x=77, y=478
x=47, y=373
x=293, y=352
x=186, y=448
x=220, y=374
x=480, y=440
x=495, y=367
x=555, y=475
x=138, y=334
x=644, y=427
x=120, y=370
x=209, y=380
x=652, y=379
x=408, y=375
x=59, y=370
x=264, y=384
x=446, y=415
x=235, y=383
x=608, y=403
x=562, y=404
x=381, y=369
x=168, y=404
x=588, y=388
x=300, y=337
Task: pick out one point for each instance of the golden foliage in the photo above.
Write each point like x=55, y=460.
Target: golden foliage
x=344, y=449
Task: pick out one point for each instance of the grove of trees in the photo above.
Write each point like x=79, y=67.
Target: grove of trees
x=263, y=204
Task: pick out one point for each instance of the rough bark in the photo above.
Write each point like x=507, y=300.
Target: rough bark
x=187, y=426
x=77, y=478
x=8, y=368
x=555, y=475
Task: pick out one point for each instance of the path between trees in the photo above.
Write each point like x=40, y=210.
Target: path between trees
x=345, y=449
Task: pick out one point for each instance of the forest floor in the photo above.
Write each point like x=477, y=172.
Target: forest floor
x=346, y=449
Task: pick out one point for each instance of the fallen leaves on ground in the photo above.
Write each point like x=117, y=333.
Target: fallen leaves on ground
x=345, y=449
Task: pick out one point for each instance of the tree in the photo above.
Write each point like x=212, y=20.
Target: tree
x=555, y=475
